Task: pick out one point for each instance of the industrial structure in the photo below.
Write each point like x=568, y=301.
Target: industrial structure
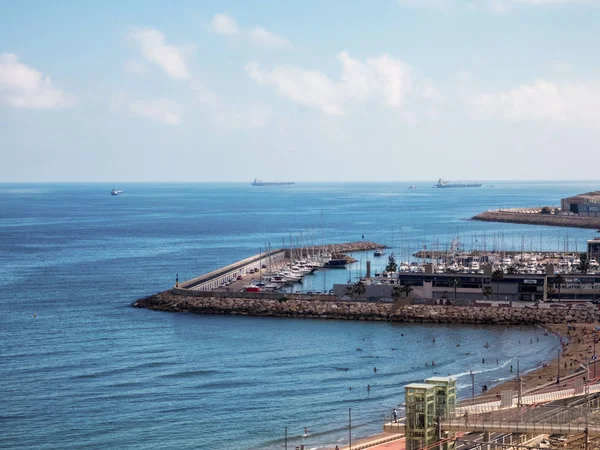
x=585, y=205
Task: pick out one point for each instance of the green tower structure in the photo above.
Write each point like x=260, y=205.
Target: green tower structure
x=426, y=403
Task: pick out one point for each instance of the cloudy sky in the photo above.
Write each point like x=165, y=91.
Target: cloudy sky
x=299, y=90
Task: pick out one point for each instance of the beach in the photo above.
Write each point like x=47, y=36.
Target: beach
x=577, y=348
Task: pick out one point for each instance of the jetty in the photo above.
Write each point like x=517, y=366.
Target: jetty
x=538, y=216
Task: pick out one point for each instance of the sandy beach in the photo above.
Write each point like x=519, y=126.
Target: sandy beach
x=577, y=347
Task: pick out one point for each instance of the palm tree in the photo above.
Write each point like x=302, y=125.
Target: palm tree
x=559, y=280
x=359, y=288
x=349, y=290
x=396, y=292
x=455, y=283
x=406, y=289
x=549, y=291
x=487, y=291
x=391, y=267
x=497, y=275
x=584, y=263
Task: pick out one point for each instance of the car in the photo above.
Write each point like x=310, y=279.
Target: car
x=240, y=277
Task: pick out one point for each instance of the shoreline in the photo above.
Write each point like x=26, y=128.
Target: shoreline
x=574, y=349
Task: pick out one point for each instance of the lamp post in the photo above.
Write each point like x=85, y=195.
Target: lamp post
x=594, y=357
x=558, y=367
x=350, y=428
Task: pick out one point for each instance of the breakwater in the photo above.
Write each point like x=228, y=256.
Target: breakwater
x=334, y=308
x=539, y=219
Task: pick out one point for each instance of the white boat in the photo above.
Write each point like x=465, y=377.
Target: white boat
x=379, y=252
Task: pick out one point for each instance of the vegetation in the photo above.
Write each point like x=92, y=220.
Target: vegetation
x=487, y=291
x=359, y=288
x=282, y=299
x=454, y=283
x=396, y=292
x=584, y=263
x=559, y=280
x=406, y=289
x=511, y=270
x=497, y=275
x=391, y=267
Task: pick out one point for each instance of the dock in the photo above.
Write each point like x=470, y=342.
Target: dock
x=234, y=277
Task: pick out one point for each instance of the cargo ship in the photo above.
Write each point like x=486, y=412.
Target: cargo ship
x=445, y=184
x=258, y=182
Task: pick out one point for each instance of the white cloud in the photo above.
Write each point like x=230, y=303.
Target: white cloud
x=264, y=38
x=168, y=57
x=573, y=102
x=135, y=67
x=24, y=87
x=384, y=79
x=161, y=111
x=223, y=25
x=228, y=116
x=485, y=5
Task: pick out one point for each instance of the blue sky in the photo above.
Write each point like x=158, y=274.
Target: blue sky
x=306, y=91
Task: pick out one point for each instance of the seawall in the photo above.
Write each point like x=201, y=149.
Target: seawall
x=372, y=311
x=539, y=219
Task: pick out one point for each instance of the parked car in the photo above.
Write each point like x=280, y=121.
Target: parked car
x=240, y=277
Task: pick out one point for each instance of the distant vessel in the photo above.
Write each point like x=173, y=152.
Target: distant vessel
x=116, y=191
x=445, y=184
x=412, y=186
x=258, y=182
x=379, y=252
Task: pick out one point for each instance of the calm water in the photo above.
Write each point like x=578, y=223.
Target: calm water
x=89, y=371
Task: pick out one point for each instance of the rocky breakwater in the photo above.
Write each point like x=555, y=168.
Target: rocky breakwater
x=539, y=219
x=493, y=315
x=283, y=307
x=372, y=311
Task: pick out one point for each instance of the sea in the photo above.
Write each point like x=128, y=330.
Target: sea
x=81, y=368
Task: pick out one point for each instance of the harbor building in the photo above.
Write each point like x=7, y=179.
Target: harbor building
x=585, y=205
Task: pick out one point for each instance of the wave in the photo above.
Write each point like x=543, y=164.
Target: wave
x=191, y=373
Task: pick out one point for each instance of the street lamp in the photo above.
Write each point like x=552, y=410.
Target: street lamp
x=350, y=428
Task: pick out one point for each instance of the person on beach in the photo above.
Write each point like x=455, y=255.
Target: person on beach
x=466, y=418
x=337, y=447
x=395, y=415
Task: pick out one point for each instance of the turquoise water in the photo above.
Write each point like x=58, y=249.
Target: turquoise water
x=90, y=371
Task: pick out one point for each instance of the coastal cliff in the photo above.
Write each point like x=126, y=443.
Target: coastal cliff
x=336, y=309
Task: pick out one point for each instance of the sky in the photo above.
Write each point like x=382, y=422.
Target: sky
x=329, y=90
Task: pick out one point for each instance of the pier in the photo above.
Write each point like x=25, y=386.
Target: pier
x=236, y=276
x=535, y=216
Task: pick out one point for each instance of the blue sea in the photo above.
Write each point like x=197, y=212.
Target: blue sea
x=81, y=368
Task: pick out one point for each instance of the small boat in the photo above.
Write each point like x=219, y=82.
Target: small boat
x=336, y=263
x=412, y=186
x=379, y=252
x=116, y=191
